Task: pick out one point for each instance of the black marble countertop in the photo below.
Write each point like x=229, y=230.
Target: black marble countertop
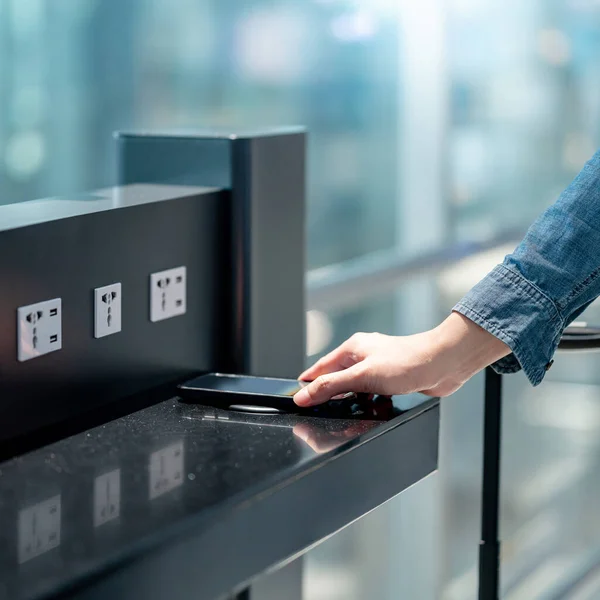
x=209, y=498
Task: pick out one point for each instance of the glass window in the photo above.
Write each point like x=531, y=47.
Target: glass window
x=525, y=107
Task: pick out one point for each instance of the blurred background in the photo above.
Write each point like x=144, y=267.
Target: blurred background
x=438, y=130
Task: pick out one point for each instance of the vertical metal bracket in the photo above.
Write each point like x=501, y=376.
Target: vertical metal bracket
x=265, y=172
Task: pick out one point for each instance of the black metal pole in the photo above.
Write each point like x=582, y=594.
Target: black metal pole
x=489, y=545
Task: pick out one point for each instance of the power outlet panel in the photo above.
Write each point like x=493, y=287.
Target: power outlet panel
x=107, y=497
x=167, y=294
x=39, y=329
x=107, y=310
x=39, y=529
x=166, y=470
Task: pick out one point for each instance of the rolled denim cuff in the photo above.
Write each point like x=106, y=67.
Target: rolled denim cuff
x=517, y=312
x=507, y=365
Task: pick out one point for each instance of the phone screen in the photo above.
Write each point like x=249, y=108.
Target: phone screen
x=247, y=385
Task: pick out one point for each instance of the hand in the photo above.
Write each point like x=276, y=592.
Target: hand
x=437, y=362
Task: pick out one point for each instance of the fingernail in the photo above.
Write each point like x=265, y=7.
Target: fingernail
x=302, y=398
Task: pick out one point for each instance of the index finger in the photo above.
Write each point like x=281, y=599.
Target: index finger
x=329, y=385
x=338, y=359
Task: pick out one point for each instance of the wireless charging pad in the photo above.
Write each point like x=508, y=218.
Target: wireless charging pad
x=257, y=410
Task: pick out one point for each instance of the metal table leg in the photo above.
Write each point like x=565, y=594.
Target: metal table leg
x=489, y=545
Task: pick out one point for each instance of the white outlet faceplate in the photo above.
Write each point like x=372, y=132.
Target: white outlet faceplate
x=39, y=529
x=39, y=329
x=166, y=470
x=107, y=497
x=167, y=294
x=107, y=310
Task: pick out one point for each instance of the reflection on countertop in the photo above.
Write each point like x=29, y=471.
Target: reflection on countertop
x=68, y=508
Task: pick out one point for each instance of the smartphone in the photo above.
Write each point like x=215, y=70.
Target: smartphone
x=239, y=391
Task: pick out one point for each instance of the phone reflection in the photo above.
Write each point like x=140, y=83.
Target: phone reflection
x=39, y=528
x=107, y=497
x=324, y=439
x=166, y=469
x=326, y=429
x=319, y=435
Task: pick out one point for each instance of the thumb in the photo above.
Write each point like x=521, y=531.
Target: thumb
x=327, y=386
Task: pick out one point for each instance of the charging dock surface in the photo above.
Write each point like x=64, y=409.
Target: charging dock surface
x=260, y=410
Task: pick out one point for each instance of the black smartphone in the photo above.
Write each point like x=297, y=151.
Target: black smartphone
x=243, y=392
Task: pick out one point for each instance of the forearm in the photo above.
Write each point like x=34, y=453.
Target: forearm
x=550, y=278
x=463, y=348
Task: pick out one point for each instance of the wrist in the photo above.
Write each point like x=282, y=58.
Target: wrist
x=464, y=348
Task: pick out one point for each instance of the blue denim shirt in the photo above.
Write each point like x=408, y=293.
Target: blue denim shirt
x=547, y=282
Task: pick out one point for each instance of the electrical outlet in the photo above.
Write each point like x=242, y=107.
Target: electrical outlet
x=107, y=497
x=39, y=329
x=166, y=470
x=167, y=294
x=107, y=310
x=39, y=529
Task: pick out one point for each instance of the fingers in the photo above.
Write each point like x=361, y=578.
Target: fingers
x=340, y=358
x=331, y=362
x=324, y=387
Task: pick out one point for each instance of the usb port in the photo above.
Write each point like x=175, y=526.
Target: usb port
x=53, y=312
x=178, y=302
x=53, y=338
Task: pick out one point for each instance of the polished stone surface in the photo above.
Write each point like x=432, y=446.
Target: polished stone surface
x=75, y=507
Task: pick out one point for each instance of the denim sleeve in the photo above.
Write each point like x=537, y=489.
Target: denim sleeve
x=552, y=276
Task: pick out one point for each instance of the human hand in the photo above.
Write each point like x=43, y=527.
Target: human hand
x=436, y=363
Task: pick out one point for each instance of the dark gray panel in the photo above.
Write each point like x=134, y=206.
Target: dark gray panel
x=266, y=174
x=174, y=160
x=68, y=258
x=271, y=210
